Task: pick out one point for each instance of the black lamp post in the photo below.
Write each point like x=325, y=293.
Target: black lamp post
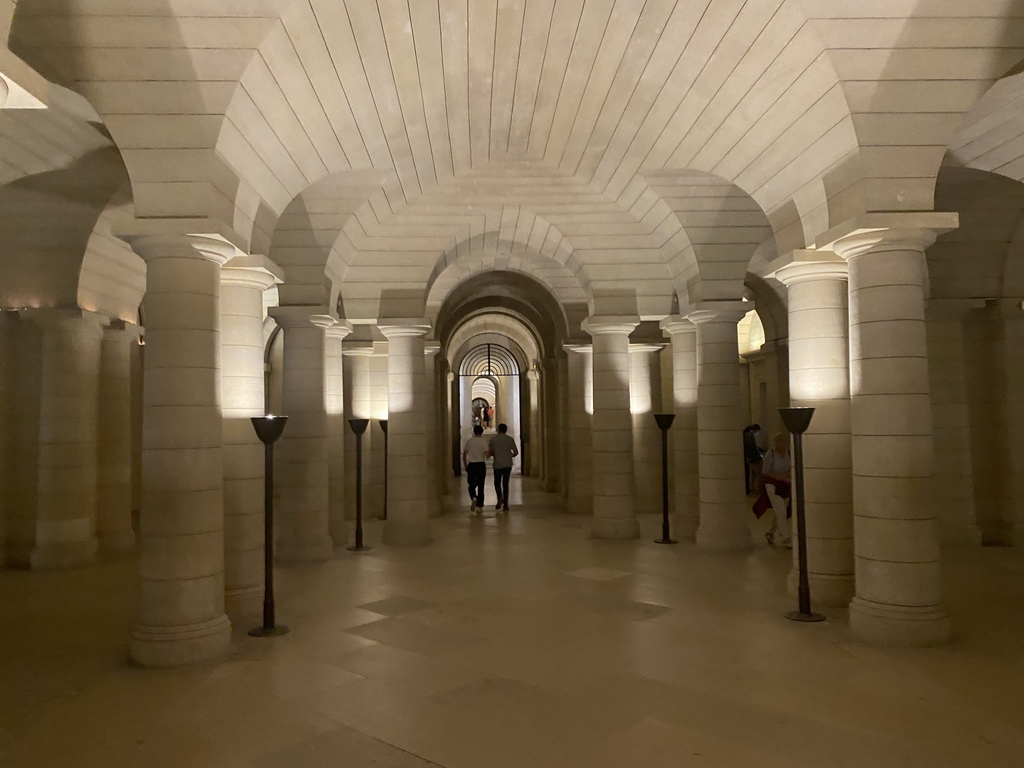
x=664, y=424
x=384, y=428
x=358, y=428
x=268, y=430
x=797, y=420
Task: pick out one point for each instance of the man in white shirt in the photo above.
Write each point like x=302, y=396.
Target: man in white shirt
x=474, y=458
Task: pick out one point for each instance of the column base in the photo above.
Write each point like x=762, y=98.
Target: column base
x=243, y=603
x=683, y=527
x=615, y=528
x=717, y=540
x=1012, y=534
x=826, y=589
x=19, y=556
x=181, y=646
x=898, y=625
x=57, y=556
x=117, y=542
x=407, y=533
x=304, y=552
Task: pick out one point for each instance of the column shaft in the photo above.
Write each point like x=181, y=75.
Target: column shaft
x=408, y=522
x=68, y=418
x=431, y=420
x=644, y=390
x=21, y=520
x=952, y=481
x=579, y=473
x=1012, y=532
x=723, y=507
x=243, y=281
x=819, y=377
x=336, y=431
x=302, y=476
x=614, y=506
x=180, y=617
x=898, y=589
x=114, y=449
x=684, y=429
x=8, y=389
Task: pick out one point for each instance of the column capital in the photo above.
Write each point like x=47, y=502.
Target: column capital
x=118, y=326
x=645, y=348
x=203, y=247
x=806, y=265
x=55, y=318
x=955, y=309
x=610, y=325
x=300, y=316
x=583, y=349
x=675, y=324
x=881, y=232
x=394, y=329
x=533, y=375
x=358, y=349
x=718, y=312
x=340, y=329
x=251, y=271
x=431, y=348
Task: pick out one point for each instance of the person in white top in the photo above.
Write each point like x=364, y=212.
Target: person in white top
x=776, y=468
x=474, y=457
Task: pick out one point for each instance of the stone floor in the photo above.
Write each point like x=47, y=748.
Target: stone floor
x=518, y=642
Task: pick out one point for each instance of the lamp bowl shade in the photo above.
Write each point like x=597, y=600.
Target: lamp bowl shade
x=797, y=420
x=664, y=420
x=384, y=425
x=358, y=425
x=269, y=428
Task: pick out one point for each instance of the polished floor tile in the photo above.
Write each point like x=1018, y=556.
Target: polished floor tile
x=516, y=640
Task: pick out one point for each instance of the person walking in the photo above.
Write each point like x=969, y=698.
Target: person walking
x=752, y=458
x=474, y=460
x=775, y=491
x=503, y=449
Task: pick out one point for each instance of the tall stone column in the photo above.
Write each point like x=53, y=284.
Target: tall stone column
x=243, y=281
x=819, y=377
x=552, y=416
x=114, y=447
x=302, y=476
x=723, y=504
x=579, y=470
x=614, y=506
x=8, y=389
x=1012, y=353
x=429, y=415
x=408, y=522
x=337, y=429
x=898, y=587
x=535, y=455
x=952, y=482
x=644, y=389
x=180, y=617
x=683, y=334
x=68, y=418
x=21, y=519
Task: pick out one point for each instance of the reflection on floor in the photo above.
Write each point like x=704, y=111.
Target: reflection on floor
x=518, y=641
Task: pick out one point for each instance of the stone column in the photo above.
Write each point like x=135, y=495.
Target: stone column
x=336, y=431
x=68, y=417
x=429, y=415
x=408, y=522
x=180, y=617
x=552, y=421
x=819, y=377
x=114, y=447
x=243, y=281
x=302, y=477
x=614, y=506
x=1012, y=353
x=535, y=453
x=644, y=389
x=579, y=473
x=898, y=587
x=952, y=482
x=8, y=390
x=683, y=334
x=723, y=503
x=21, y=520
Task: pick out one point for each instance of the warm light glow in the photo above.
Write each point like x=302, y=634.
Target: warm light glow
x=750, y=333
